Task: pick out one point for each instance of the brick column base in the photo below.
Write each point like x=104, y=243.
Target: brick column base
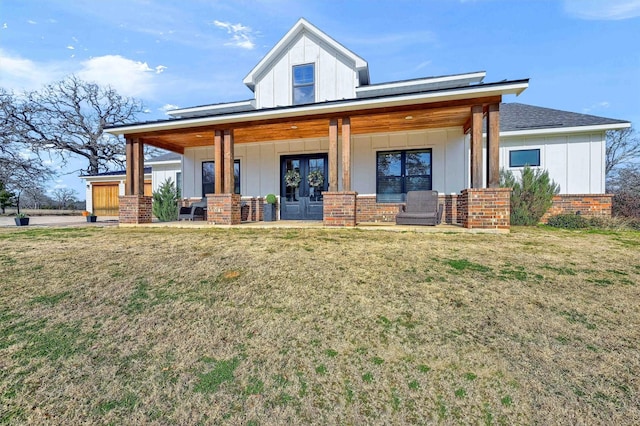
x=339, y=208
x=451, y=202
x=135, y=209
x=485, y=208
x=255, y=208
x=223, y=209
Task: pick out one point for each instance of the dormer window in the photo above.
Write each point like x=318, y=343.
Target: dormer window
x=304, y=88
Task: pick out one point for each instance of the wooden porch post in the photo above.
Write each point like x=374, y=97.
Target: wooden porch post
x=229, y=178
x=476, y=146
x=346, y=154
x=138, y=167
x=128, y=183
x=493, y=146
x=333, y=155
x=218, y=149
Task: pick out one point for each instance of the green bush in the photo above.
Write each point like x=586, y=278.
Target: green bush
x=569, y=221
x=165, y=202
x=532, y=194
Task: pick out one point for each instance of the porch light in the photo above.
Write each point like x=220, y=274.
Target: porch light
x=294, y=127
x=409, y=117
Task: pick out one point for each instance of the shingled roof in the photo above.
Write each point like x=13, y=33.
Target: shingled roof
x=515, y=117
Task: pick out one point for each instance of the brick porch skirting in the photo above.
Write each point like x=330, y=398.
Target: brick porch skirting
x=135, y=209
x=223, y=209
x=590, y=205
x=368, y=210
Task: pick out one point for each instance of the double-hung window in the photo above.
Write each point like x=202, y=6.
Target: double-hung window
x=304, y=88
x=398, y=172
x=209, y=177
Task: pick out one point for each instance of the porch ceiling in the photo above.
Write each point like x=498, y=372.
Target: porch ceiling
x=405, y=118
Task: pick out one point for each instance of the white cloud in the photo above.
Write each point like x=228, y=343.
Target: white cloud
x=603, y=10
x=168, y=107
x=23, y=74
x=597, y=106
x=128, y=77
x=241, y=35
x=31, y=22
x=70, y=47
x=4, y=26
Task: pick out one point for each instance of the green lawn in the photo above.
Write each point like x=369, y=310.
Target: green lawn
x=315, y=326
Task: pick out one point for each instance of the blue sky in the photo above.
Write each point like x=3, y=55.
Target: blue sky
x=581, y=55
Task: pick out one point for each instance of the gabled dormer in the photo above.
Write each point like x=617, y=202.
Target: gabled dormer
x=306, y=66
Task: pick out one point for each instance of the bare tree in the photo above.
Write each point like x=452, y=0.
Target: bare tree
x=20, y=169
x=65, y=197
x=68, y=118
x=623, y=147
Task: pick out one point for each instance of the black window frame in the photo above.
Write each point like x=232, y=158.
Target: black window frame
x=403, y=173
x=295, y=85
x=524, y=164
x=179, y=182
x=213, y=182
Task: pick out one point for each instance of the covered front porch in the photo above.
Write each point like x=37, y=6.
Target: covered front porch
x=465, y=167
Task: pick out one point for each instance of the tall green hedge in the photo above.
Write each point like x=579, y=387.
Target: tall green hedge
x=165, y=202
x=532, y=194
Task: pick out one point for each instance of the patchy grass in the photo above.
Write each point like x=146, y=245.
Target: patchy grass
x=315, y=326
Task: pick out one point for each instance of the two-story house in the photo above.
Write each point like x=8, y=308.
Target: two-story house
x=335, y=147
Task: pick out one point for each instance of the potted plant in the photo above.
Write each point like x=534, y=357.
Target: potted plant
x=91, y=217
x=22, y=219
x=269, y=213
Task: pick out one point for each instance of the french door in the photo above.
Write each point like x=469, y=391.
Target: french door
x=303, y=178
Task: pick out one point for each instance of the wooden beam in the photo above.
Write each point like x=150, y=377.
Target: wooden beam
x=218, y=150
x=138, y=167
x=476, y=146
x=229, y=178
x=493, y=146
x=128, y=183
x=333, y=155
x=346, y=154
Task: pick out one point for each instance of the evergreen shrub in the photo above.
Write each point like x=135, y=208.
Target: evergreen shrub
x=165, y=202
x=532, y=194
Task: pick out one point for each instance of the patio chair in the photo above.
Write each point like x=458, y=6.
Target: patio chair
x=422, y=208
x=197, y=210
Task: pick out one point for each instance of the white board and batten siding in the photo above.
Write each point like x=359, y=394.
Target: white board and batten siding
x=447, y=146
x=260, y=162
x=161, y=172
x=574, y=161
x=335, y=75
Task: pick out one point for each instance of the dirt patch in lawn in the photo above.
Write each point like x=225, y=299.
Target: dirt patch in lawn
x=253, y=326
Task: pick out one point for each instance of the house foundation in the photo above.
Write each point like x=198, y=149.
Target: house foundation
x=135, y=209
x=589, y=205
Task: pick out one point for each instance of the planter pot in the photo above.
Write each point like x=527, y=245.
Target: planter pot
x=92, y=218
x=21, y=221
x=269, y=213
